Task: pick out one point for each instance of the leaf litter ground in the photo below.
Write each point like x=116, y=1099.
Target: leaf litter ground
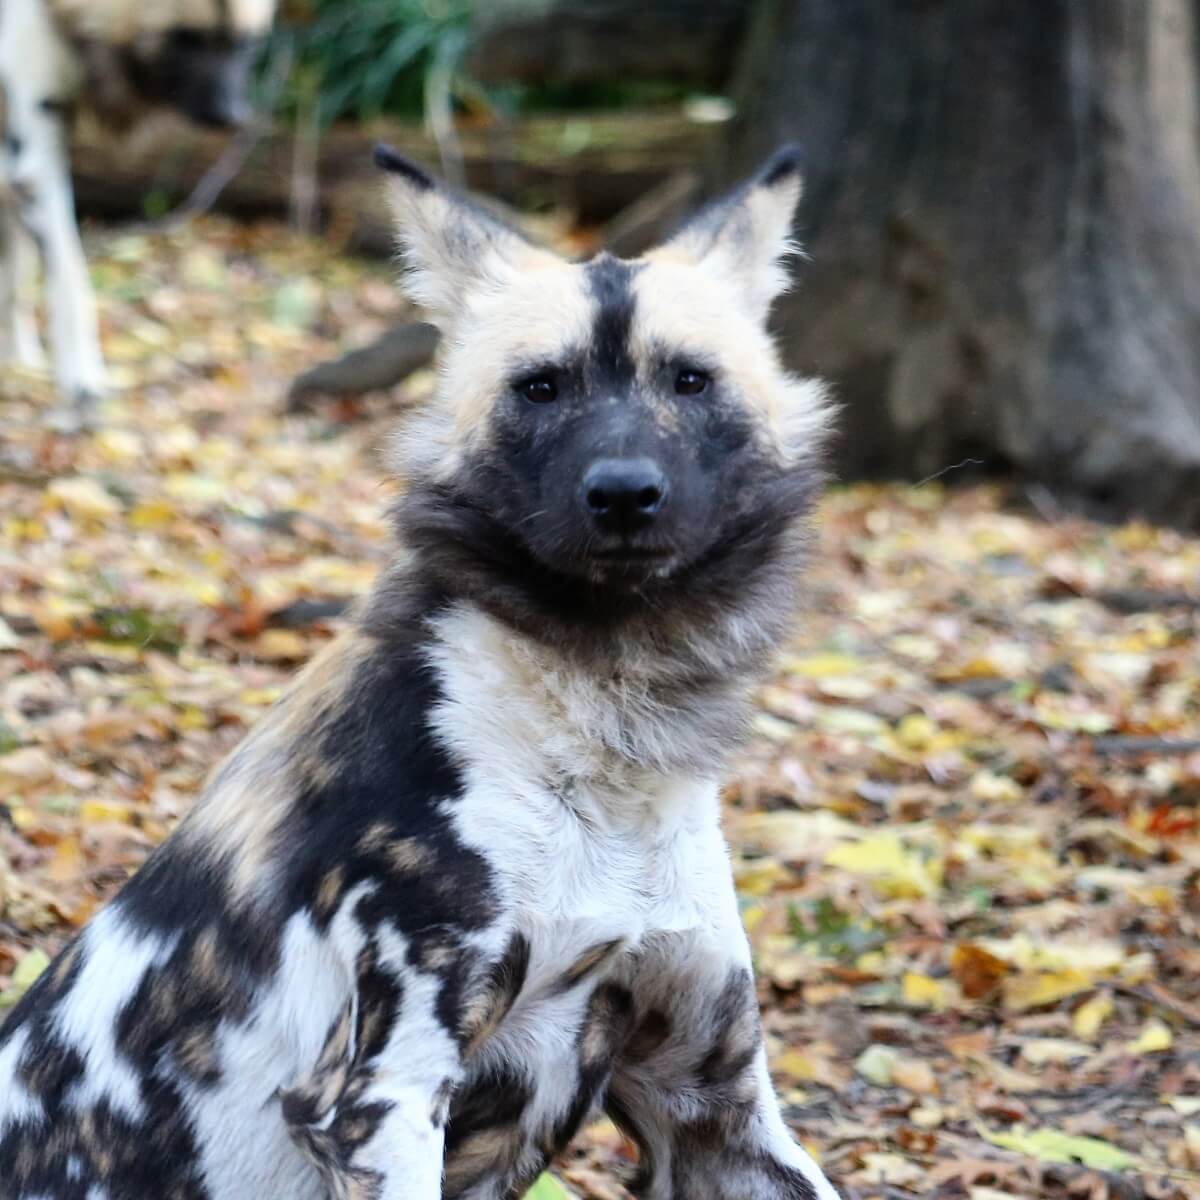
x=966, y=835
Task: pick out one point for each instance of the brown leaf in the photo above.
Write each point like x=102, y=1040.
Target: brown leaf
x=978, y=972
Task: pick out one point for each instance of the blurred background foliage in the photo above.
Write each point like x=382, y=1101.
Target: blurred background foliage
x=365, y=59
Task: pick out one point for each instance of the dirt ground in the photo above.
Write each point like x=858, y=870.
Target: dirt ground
x=967, y=834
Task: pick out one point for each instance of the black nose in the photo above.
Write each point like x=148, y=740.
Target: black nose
x=624, y=494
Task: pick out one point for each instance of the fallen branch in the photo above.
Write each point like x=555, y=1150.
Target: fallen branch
x=1157, y=995
x=1136, y=600
x=1119, y=744
x=384, y=363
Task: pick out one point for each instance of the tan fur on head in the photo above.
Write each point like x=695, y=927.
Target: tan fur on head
x=501, y=303
x=122, y=22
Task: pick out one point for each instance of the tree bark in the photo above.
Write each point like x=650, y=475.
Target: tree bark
x=1003, y=213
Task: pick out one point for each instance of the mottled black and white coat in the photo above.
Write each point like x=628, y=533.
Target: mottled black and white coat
x=118, y=57
x=465, y=886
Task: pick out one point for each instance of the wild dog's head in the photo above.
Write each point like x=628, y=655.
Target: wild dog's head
x=611, y=439
x=193, y=55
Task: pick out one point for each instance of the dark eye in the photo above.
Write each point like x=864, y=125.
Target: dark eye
x=538, y=389
x=690, y=383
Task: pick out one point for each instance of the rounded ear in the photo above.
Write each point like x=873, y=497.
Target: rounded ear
x=746, y=233
x=448, y=244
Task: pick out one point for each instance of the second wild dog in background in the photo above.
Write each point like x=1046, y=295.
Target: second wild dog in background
x=116, y=56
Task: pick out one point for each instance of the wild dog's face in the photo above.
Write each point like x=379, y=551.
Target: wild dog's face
x=622, y=423
x=194, y=55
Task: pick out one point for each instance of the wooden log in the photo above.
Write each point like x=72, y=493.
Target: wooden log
x=593, y=165
x=381, y=364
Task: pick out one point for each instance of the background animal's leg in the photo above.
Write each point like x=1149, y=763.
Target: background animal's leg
x=19, y=341
x=694, y=1092
x=46, y=208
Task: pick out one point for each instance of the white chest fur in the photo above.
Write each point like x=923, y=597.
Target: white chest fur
x=588, y=845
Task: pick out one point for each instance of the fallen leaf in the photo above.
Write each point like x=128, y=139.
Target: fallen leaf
x=28, y=969
x=1090, y=1016
x=1155, y=1037
x=977, y=971
x=876, y=1064
x=879, y=1167
x=1039, y=1051
x=892, y=869
x=922, y=991
x=914, y=1075
x=1034, y=990
x=1050, y=1145
x=82, y=497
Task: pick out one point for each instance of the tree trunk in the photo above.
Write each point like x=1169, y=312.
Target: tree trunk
x=1003, y=213
x=586, y=41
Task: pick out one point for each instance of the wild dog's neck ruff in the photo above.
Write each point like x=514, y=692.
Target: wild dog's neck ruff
x=659, y=679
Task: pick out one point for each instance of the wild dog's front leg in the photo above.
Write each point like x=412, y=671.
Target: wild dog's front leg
x=693, y=1089
x=371, y=1114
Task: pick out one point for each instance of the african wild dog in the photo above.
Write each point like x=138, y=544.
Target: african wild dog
x=465, y=885
x=117, y=56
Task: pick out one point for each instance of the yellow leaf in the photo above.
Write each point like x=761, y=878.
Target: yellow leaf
x=847, y=687
x=856, y=722
x=1049, y=1145
x=912, y=645
x=1052, y=715
x=795, y=1065
x=195, y=489
x=822, y=666
x=118, y=445
x=1039, y=1051
x=280, y=644
x=1091, y=1015
x=81, y=497
x=795, y=836
x=921, y=991
x=67, y=861
x=893, y=871
x=916, y=731
x=1029, y=990
x=877, y=1063
x=153, y=514
x=752, y=915
x=760, y=876
x=95, y=812
x=927, y=1116
x=546, y=1187
x=1097, y=955
x=995, y=789
x=1155, y=1036
x=28, y=969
